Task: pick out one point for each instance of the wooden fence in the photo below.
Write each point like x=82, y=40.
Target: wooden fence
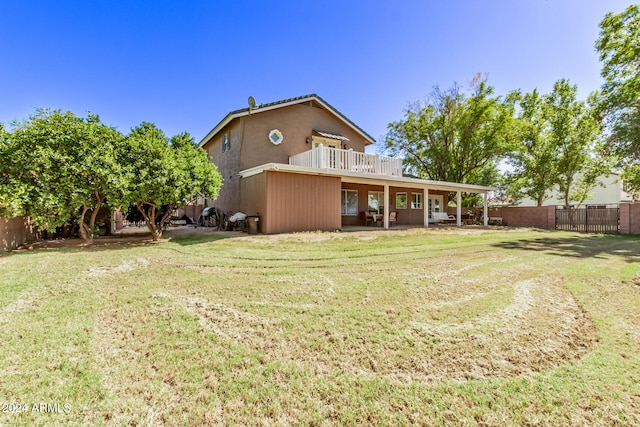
x=587, y=220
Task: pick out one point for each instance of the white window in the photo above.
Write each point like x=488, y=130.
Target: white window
x=401, y=200
x=416, y=200
x=376, y=202
x=349, y=202
x=226, y=142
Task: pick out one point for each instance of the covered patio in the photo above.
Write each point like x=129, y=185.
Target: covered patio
x=298, y=198
x=415, y=201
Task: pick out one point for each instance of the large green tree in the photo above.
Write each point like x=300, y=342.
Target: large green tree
x=619, y=48
x=455, y=136
x=165, y=173
x=554, y=147
x=9, y=191
x=574, y=133
x=534, y=172
x=59, y=168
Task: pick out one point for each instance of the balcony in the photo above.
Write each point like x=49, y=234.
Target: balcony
x=337, y=159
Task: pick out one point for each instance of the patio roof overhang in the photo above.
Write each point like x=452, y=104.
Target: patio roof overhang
x=331, y=135
x=368, y=178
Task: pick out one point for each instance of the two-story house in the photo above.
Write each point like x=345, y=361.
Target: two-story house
x=301, y=165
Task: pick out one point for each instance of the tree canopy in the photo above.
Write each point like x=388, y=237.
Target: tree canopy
x=64, y=168
x=534, y=171
x=554, y=146
x=455, y=136
x=619, y=48
x=165, y=173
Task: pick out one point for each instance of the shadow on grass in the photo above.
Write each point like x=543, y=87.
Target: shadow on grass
x=124, y=241
x=583, y=246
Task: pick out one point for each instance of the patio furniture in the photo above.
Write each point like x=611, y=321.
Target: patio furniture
x=442, y=217
x=366, y=218
x=393, y=217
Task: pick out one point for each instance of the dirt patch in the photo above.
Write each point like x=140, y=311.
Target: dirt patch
x=126, y=236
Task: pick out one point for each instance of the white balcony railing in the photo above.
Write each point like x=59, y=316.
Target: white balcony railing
x=323, y=157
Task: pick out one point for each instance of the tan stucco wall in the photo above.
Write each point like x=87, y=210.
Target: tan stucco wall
x=296, y=122
x=228, y=164
x=251, y=147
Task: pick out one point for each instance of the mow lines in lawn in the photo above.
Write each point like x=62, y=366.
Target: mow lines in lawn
x=124, y=266
x=224, y=320
x=522, y=303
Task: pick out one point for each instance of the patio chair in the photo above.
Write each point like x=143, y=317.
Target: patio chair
x=366, y=218
x=393, y=217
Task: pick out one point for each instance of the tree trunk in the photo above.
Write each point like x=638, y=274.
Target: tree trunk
x=94, y=213
x=567, y=192
x=150, y=219
x=85, y=233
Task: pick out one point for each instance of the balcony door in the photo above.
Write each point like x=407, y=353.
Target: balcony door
x=332, y=156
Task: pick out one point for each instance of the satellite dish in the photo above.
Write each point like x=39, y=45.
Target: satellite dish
x=252, y=103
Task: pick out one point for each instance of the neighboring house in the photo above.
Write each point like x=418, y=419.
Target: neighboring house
x=301, y=165
x=609, y=192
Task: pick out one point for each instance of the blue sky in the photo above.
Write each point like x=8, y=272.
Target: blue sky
x=185, y=64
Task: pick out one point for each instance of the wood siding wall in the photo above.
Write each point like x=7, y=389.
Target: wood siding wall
x=296, y=202
x=254, y=202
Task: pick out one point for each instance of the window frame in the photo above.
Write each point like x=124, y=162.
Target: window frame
x=226, y=142
x=379, y=200
x=415, y=203
x=406, y=200
x=344, y=202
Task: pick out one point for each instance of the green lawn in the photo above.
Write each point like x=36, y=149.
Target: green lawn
x=416, y=327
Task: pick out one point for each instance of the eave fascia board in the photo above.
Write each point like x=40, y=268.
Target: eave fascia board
x=371, y=179
x=217, y=129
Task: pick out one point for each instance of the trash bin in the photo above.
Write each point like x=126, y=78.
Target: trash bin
x=252, y=222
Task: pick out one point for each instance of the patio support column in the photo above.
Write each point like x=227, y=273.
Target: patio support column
x=458, y=208
x=486, y=209
x=386, y=206
x=425, y=207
